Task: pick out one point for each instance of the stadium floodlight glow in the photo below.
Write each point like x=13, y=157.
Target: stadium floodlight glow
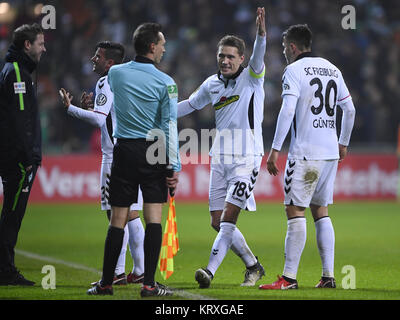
x=4, y=7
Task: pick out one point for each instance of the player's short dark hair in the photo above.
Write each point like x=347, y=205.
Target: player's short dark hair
x=300, y=35
x=112, y=50
x=144, y=35
x=26, y=32
x=233, y=41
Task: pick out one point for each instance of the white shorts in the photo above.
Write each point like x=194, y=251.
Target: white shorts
x=105, y=185
x=234, y=182
x=309, y=182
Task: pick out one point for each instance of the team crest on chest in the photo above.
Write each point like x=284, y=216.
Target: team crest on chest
x=224, y=101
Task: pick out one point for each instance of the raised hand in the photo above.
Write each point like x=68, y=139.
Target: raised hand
x=87, y=100
x=65, y=97
x=260, y=21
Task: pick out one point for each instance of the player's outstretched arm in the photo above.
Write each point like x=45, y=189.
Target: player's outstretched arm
x=94, y=118
x=256, y=61
x=184, y=108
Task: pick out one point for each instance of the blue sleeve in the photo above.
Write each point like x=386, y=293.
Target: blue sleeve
x=169, y=111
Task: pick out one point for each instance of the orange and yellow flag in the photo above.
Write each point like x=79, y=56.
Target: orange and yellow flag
x=170, y=242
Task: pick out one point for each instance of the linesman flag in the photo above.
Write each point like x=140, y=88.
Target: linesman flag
x=170, y=243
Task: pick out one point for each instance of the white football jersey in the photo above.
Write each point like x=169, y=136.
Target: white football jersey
x=319, y=87
x=103, y=103
x=239, y=111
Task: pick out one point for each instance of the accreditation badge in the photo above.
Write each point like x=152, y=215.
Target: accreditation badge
x=19, y=87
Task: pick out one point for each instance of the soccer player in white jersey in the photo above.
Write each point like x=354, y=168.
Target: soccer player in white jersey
x=237, y=95
x=312, y=87
x=107, y=54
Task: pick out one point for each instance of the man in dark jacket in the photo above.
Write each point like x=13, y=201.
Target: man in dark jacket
x=20, y=141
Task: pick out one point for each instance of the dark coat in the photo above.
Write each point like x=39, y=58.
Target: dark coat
x=20, y=131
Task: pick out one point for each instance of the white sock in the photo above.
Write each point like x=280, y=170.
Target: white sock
x=240, y=248
x=295, y=241
x=120, y=267
x=221, y=245
x=136, y=238
x=326, y=245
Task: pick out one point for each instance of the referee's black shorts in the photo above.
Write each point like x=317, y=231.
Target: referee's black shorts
x=131, y=169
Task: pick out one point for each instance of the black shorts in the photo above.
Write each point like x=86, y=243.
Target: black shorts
x=131, y=169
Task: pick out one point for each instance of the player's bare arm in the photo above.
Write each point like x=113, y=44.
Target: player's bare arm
x=342, y=152
x=260, y=22
x=271, y=162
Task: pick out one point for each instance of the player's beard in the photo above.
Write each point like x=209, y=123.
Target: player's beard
x=98, y=69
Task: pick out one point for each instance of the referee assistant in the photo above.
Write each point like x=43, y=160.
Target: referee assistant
x=145, y=102
x=20, y=141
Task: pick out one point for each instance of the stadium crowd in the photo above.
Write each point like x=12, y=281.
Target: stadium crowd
x=369, y=56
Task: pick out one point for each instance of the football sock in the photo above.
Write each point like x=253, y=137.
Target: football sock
x=120, y=268
x=112, y=248
x=152, y=247
x=240, y=248
x=136, y=238
x=295, y=241
x=221, y=245
x=326, y=245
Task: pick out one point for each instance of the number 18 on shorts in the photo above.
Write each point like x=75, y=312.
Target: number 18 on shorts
x=234, y=183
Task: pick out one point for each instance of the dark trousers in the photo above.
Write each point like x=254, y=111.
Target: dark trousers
x=17, y=184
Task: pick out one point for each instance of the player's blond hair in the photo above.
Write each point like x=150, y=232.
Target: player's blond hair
x=233, y=41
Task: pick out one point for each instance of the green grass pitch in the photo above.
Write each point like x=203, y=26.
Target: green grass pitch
x=71, y=237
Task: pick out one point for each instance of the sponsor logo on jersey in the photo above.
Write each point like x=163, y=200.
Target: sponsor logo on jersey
x=224, y=101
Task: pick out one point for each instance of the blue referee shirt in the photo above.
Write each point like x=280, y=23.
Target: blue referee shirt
x=145, y=102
